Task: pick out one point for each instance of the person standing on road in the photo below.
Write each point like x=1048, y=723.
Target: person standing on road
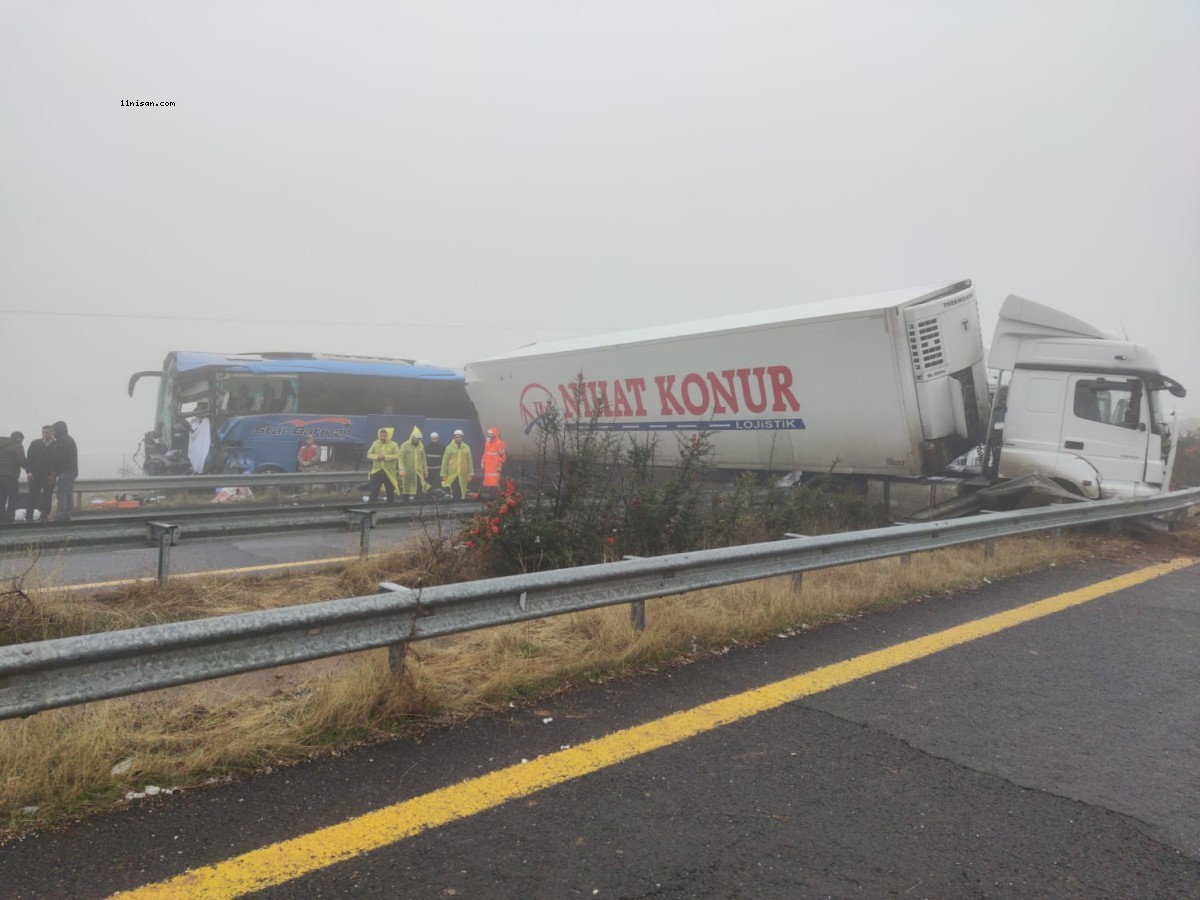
x=385, y=458
x=64, y=459
x=414, y=465
x=308, y=457
x=495, y=454
x=433, y=456
x=457, y=468
x=12, y=461
x=41, y=476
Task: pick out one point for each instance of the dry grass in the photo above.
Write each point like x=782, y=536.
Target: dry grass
x=62, y=761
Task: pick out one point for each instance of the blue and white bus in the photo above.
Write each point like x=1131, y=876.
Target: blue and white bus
x=250, y=412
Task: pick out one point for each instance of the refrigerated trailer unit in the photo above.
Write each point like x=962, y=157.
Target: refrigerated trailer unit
x=887, y=384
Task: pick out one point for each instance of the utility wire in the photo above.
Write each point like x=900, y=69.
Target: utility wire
x=275, y=321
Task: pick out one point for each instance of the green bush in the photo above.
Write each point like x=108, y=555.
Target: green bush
x=590, y=495
x=1187, y=460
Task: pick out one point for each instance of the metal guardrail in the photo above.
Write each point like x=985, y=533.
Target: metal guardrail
x=165, y=528
x=66, y=671
x=155, y=484
x=142, y=484
x=128, y=530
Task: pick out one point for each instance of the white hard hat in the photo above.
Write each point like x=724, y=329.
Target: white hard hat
x=458, y=432
x=433, y=435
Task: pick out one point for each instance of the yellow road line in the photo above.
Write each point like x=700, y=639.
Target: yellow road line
x=265, y=567
x=293, y=858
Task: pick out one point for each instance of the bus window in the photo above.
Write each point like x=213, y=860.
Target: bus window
x=241, y=395
x=446, y=400
x=357, y=395
x=394, y=398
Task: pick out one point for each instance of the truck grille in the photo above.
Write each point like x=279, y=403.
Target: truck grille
x=925, y=345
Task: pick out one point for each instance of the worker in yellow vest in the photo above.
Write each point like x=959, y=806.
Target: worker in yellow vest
x=457, y=468
x=385, y=466
x=414, y=465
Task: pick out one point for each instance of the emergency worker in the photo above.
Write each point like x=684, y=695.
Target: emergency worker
x=385, y=458
x=414, y=466
x=457, y=468
x=494, y=456
x=433, y=453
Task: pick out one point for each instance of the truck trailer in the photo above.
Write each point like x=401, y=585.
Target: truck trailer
x=889, y=387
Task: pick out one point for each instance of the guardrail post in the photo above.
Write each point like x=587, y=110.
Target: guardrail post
x=798, y=577
x=989, y=549
x=1055, y=536
x=166, y=536
x=364, y=521
x=637, y=609
x=396, y=652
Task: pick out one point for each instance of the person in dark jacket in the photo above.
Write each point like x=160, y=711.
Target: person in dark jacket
x=64, y=459
x=433, y=457
x=41, y=476
x=12, y=461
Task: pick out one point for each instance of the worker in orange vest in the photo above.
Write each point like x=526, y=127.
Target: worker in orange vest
x=494, y=456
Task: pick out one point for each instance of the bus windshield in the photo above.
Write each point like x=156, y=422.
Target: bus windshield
x=249, y=413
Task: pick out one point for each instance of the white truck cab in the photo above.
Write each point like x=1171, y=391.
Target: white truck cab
x=1077, y=405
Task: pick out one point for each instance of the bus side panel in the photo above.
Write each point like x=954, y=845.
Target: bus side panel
x=266, y=443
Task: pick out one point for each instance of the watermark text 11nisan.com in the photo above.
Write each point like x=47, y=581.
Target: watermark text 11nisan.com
x=147, y=102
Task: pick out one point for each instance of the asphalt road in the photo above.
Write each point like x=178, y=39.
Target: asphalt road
x=1058, y=757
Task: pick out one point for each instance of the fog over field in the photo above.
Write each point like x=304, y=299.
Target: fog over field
x=448, y=181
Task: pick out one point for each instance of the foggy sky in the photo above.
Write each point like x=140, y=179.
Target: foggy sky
x=471, y=177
